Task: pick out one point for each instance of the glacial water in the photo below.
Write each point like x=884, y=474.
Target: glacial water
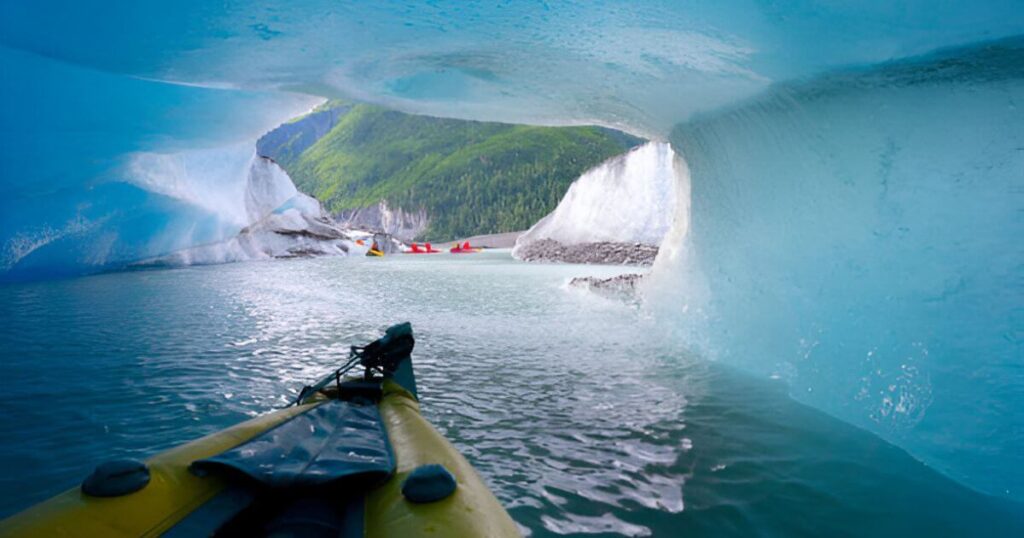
x=578, y=410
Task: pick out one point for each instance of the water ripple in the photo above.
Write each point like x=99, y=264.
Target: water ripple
x=571, y=407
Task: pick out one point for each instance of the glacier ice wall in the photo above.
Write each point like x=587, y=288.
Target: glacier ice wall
x=266, y=216
x=859, y=236
x=84, y=86
x=299, y=228
x=97, y=170
x=267, y=188
x=630, y=198
x=213, y=180
x=644, y=65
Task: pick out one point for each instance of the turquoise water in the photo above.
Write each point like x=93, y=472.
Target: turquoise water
x=576, y=411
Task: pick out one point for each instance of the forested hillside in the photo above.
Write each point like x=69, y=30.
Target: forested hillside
x=470, y=177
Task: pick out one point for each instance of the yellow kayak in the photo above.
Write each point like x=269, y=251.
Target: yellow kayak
x=374, y=252
x=352, y=458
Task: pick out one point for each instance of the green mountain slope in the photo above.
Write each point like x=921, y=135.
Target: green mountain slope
x=470, y=177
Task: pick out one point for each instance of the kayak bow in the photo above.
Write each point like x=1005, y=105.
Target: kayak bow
x=351, y=458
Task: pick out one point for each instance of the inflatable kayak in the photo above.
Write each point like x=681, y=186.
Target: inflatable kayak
x=427, y=248
x=352, y=457
x=464, y=248
x=374, y=252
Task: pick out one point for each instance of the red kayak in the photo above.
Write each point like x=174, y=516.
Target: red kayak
x=427, y=248
x=463, y=249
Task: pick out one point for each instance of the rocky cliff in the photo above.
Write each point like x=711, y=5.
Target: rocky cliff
x=404, y=225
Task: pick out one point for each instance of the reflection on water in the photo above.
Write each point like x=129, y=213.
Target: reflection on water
x=573, y=408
